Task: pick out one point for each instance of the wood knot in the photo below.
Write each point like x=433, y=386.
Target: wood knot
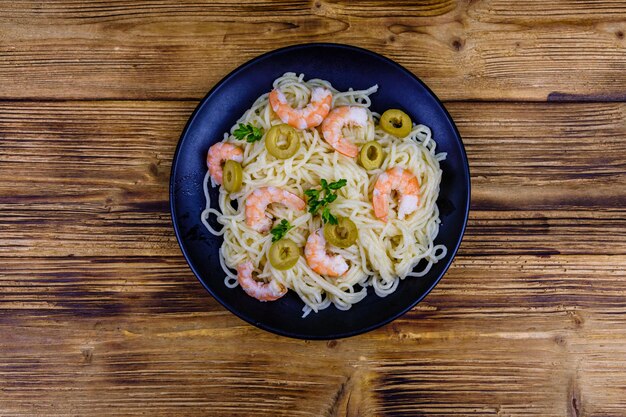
x=457, y=44
x=87, y=354
x=575, y=410
x=318, y=4
x=331, y=343
x=392, y=38
x=560, y=340
x=354, y=397
x=619, y=34
x=154, y=169
x=574, y=396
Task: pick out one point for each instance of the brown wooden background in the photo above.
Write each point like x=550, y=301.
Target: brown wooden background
x=100, y=315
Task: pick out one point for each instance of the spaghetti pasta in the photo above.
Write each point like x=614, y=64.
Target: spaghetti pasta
x=384, y=253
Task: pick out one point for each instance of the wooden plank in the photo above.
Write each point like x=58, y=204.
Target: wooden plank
x=519, y=336
x=91, y=178
x=163, y=49
x=494, y=11
x=547, y=178
x=97, y=286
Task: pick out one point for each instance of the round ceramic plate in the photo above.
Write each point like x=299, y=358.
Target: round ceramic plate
x=344, y=66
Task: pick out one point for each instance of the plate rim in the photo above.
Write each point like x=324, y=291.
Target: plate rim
x=270, y=328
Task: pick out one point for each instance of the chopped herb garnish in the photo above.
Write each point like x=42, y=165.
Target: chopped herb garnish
x=281, y=230
x=327, y=217
x=337, y=184
x=318, y=199
x=248, y=133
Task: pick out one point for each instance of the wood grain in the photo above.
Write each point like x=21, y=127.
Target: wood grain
x=95, y=174
x=478, y=50
x=524, y=344
x=100, y=315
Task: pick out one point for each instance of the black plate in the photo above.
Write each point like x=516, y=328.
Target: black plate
x=344, y=66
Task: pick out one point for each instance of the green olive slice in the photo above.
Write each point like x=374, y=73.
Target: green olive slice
x=284, y=254
x=396, y=122
x=343, y=234
x=232, y=176
x=371, y=155
x=282, y=141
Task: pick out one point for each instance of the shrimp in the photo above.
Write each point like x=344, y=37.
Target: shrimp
x=219, y=153
x=319, y=260
x=259, y=199
x=405, y=183
x=334, y=123
x=262, y=291
x=310, y=116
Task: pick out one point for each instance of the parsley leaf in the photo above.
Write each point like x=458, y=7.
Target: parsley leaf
x=248, y=133
x=337, y=184
x=281, y=230
x=316, y=201
x=314, y=206
x=312, y=193
x=327, y=217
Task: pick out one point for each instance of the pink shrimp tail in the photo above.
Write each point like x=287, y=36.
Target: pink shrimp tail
x=309, y=116
x=407, y=186
x=334, y=123
x=262, y=291
x=217, y=155
x=259, y=199
x=319, y=260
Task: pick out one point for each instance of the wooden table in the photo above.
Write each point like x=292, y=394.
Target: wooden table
x=100, y=314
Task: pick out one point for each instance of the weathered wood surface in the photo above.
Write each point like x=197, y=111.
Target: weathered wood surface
x=547, y=178
x=99, y=314
x=485, y=50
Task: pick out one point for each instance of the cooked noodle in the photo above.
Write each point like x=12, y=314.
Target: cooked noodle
x=384, y=253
